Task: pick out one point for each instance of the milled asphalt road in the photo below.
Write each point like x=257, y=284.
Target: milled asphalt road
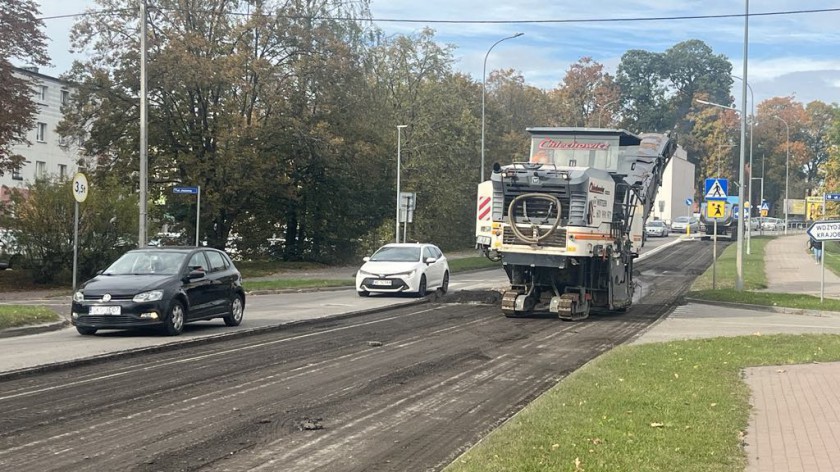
x=795, y=424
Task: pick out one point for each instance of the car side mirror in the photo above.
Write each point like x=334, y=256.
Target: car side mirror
x=430, y=260
x=195, y=274
x=366, y=258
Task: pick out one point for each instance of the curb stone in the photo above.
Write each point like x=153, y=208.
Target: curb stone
x=776, y=309
x=33, y=329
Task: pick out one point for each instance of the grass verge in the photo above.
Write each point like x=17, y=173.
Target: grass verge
x=455, y=266
x=12, y=316
x=665, y=406
x=290, y=284
x=755, y=279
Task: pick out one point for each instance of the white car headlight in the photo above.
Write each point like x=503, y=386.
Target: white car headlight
x=407, y=275
x=362, y=272
x=152, y=296
x=79, y=296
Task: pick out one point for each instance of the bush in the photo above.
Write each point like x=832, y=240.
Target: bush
x=41, y=220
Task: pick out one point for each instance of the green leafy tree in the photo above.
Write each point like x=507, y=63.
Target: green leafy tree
x=512, y=106
x=658, y=88
x=817, y=138
x=587, y=96
x=21, y=39
x=246, y=101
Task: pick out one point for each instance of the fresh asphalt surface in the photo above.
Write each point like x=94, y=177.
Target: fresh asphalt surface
x=402, y=389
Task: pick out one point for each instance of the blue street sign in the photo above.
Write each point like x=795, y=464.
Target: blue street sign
x=688, y=201
x=716, y=189
x=190, y=190
x=834, y=197
x=765, y=206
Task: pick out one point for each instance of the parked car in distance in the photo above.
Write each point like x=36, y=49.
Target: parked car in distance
x=769, y=223
x=161, y=287
x=656, y=228
x=403, y=268
x=680, y=224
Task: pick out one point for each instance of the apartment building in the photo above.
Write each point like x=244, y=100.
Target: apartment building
x=676, y=196
x=48, y=155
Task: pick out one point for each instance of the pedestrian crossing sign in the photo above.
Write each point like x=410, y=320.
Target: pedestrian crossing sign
x=716, y=188
x=715, y=208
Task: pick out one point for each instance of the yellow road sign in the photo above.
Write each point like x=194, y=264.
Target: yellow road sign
x=714, y=208
x=763, y=212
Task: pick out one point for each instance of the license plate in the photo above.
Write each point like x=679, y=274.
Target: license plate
x=104, y=310
x=382, y=282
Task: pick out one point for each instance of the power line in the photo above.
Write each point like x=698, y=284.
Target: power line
x=510, y=22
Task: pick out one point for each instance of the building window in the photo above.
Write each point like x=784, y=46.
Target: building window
x=40, y=169
x=42, y=93
x=16, y=175
x=65, y=97
x=62, y=171
x=41, y=133
x=62, y=141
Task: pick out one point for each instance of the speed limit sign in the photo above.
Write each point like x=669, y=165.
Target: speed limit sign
x=80, y=187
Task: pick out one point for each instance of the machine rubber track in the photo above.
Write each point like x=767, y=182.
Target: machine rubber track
x=509, y=303
x=568, y=308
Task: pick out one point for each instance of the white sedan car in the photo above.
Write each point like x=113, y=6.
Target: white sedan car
x=403, y=268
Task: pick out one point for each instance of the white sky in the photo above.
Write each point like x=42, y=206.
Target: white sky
x=791, y=54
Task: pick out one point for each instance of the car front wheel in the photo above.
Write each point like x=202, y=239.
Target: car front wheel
x=444, y=287
x=421, y=289
x=85, y=331
x=237, y=309
x=173, y=324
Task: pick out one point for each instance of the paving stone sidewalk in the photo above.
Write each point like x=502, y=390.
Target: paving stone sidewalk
x=795, y=420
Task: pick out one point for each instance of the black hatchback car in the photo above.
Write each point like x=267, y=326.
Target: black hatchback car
x=164, y=287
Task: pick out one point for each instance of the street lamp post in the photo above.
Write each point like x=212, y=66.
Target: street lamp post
x=739, y=258
x=601, y=112
x=483, y=87
x=787, y=167
x=397, y=221
x=752, y=131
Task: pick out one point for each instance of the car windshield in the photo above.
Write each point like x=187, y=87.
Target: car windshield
x=397, y=254
x=147, y=262
x=681, y=219
x=656, y=223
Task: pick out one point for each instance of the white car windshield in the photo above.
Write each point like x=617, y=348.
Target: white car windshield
x=147, y=262
x=397, y=254
x=681, y=219
x=656, y=223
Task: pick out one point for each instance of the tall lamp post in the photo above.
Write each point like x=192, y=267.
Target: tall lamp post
x=397, y=221
x=483, y=87
x=787, y=167
x=752, y=130
x=601, y=112
x=144, y=136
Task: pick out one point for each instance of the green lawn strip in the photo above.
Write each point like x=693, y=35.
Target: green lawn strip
x=12, y=316
x=832, y=256
x=281, y=284
x=455, y=265
x=725, y=274
x=756, y=279
x=263, y=268
x=789, y=300
x=472, y=263
x=666, y=406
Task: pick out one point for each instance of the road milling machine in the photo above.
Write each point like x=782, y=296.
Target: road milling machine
x=568, y=223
